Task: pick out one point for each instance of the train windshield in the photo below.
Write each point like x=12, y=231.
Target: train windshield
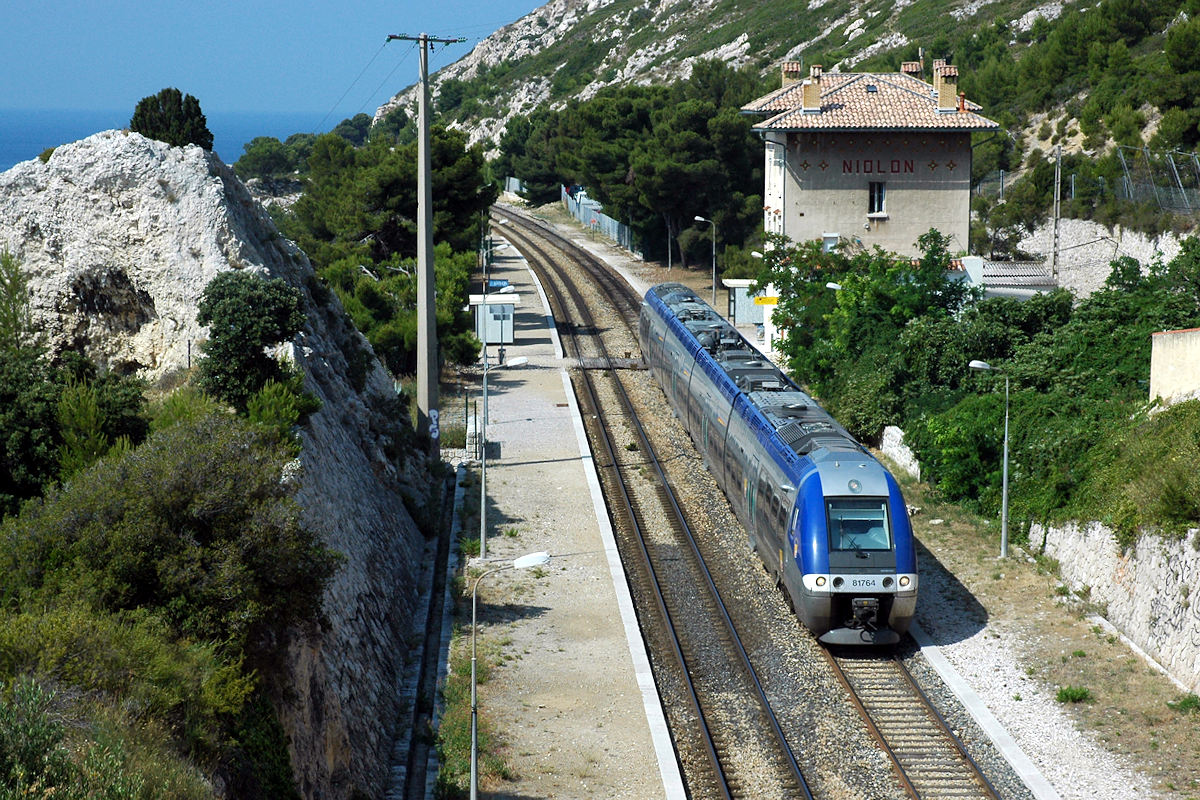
x=859, y=524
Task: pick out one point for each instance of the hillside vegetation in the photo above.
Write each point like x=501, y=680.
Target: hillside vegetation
x=155, y=562
x=1090, y=76
x=893, y=344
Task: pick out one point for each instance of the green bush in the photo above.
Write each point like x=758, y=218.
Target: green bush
x=194, y=524
x=185, y=404
x=1073, y=694
x=172, y=117
x=245, y=314
x=1188, y=704
x=132, y=657
x=280, y=407
x=32, y=755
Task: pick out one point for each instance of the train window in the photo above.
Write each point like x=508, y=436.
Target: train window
x=859, y=524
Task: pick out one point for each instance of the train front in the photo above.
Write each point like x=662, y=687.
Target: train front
x=857, y=556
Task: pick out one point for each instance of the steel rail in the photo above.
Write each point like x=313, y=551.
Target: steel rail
x=678, y=518
x=940, y=766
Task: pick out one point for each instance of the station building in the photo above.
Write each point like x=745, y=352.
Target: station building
x=868, y=159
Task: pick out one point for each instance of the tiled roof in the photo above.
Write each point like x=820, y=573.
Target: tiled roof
x=897, y=102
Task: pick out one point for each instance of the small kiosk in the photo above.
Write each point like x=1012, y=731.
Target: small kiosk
x=494, y=316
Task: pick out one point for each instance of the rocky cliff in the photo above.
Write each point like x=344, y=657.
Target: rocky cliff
x=119, y=235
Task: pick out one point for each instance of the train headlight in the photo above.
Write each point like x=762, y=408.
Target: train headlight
x=854, y=486
x=820, y=580
x=887, y=582
x=837, y=583
x=905, y=581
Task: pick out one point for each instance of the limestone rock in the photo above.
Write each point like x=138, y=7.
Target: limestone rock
x=118, y=235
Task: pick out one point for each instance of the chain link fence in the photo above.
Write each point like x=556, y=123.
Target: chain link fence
x=587, y=211
x=1169, y=179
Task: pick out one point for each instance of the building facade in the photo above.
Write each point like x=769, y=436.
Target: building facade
x=868, y=159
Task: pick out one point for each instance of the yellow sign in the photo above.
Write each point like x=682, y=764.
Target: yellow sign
x=766, y=301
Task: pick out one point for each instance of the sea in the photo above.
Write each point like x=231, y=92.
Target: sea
x=25, y=133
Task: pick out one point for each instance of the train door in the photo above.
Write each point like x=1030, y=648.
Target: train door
x=752, y=499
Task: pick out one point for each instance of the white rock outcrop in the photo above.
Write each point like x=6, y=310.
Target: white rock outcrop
x=1087, y=250
x=118, y=236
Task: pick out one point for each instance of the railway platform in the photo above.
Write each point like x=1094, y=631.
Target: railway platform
x=573, y=700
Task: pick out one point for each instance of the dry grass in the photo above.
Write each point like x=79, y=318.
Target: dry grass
x=1127, y=712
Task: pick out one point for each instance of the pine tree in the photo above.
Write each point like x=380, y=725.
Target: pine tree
x=172, y=117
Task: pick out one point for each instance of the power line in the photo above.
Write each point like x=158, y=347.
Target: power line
x=351, y=86
x=388, y=77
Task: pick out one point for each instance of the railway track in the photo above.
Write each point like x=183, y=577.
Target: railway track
x=727, y=739
x=931, y=761
x=727, y=736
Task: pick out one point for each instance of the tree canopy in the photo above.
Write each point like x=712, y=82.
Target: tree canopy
x=891, y=347
x=655, y=157
x=357, y=220
x=172, y=117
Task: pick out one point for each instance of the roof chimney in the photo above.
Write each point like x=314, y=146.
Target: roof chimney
x=912, y=68
x=938, y=63
x=791, y=72
x=811, y=100
x=946, y=81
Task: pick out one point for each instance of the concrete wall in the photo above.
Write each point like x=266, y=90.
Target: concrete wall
x=1149, y=593
x=825, y=187
x=1175, y=365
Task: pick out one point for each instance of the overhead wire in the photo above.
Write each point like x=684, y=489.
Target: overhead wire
x=434, y=50
x=388, y=77
x=351, y=86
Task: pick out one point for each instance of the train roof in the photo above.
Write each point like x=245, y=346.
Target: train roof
x=798, y=421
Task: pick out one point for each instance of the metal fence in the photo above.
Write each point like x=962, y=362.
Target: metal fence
x=587, y=211
x=1170, y=180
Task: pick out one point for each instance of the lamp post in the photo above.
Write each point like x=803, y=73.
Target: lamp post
x=524, y=562
x=714, y=256
x=983, y=365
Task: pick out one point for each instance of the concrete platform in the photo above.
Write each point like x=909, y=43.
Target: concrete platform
x=573, y=699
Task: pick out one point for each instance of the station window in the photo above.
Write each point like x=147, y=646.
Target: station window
x=876, y=195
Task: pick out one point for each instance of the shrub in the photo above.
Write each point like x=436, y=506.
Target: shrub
x=1073, y=694
x=131, y=656
x=1188, y=704
x=194, y=524
x=245, y=314
x=185, y=404
x=32, y=755
x=279, y=407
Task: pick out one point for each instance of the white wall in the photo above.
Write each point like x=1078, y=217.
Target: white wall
x=1150, y=593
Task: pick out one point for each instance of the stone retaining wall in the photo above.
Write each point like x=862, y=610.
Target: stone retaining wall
x=1149, y=593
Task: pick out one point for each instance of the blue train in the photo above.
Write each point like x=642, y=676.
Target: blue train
x=825, y=517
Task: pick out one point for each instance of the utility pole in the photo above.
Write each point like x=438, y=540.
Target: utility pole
x=1057, y=209
x=427, y=345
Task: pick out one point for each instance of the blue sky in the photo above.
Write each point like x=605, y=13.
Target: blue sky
x=250, y=55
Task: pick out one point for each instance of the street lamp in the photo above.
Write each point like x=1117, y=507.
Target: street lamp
x=714, y=256
x=983, y=365
x=524, y=562
x=837, y=287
